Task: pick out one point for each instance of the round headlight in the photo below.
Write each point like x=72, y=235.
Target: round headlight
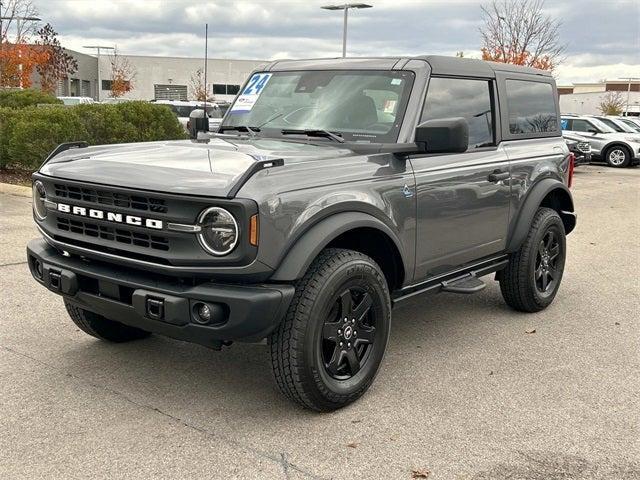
x=39, y=196
x=219, y=231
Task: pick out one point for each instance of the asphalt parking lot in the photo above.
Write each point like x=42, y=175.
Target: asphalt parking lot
x=464, y=392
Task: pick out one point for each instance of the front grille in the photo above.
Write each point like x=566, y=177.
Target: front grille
x=113, y=234
x=584, y=147
x=104, y=197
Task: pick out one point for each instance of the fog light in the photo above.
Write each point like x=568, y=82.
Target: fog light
x=38, y=267
x=204, y=313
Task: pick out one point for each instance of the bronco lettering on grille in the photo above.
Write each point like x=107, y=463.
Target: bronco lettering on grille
x=111, y=216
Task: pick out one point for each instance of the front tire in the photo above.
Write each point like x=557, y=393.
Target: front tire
x=530, y=281
x=328, y=349
x=618, y=157
x=101, y=327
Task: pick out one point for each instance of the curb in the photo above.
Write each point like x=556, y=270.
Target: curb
x=18, y=190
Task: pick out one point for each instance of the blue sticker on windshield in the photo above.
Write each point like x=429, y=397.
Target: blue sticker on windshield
x=247, y=99
x=564, y=124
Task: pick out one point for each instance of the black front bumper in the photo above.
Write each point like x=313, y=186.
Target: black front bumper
x=159, y=304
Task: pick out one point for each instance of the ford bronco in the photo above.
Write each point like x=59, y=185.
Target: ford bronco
x=333, y=190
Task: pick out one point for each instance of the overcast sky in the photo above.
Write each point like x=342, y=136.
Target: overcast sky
x=602, y=37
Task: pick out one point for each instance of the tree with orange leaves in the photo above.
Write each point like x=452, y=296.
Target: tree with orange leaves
x=518, y=32
x=122, y=75
x=17, y=63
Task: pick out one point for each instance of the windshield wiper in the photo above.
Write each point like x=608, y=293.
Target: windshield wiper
x=314, y=133
x=253, y=131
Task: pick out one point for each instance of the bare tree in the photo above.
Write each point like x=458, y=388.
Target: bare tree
x=198, y=88
x=612, y=104
x=122, y=74
x=12, y=27
x=57, y=64
x=519, y=32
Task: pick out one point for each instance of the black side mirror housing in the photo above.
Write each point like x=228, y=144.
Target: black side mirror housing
x=443, y=135
x=592, y=130
x=198, y=122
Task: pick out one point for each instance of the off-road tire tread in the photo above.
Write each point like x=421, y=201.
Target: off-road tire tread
x=289, y=336
x=102, y=328
x=514, y=279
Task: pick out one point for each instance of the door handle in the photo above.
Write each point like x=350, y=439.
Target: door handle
x=498, y=175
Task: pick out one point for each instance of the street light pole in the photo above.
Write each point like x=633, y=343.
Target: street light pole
x=98, y=48
x=629, y=79
x=346, y=8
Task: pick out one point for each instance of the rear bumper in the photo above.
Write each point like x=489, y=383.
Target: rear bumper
x=161, y=304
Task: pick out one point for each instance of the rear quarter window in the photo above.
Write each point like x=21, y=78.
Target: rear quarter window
x=531, y=107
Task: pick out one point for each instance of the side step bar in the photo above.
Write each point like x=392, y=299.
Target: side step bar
x=463, y=280
x=468, y=284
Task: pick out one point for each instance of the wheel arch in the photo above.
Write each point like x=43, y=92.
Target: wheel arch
x=548, y=193
x=352, y=230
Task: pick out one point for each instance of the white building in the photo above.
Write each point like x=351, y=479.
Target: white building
x=585, y=98
x=156, y=78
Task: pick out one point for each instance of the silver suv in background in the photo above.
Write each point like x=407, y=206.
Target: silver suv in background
x=183, y=109
x=615, y=123
x=617, y=149
x=633, y=122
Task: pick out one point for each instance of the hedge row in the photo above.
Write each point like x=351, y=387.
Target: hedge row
x=28, y=134
x=24, y=98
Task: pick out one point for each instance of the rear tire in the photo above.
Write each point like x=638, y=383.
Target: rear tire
x=101, y=327
x=327, y=351
x=530, y=281
x=617, y=157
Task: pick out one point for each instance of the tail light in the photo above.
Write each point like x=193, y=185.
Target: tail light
x=572, y=164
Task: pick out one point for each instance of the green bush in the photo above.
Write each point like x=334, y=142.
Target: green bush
x=37, y=131
x=28, y=134
x=25, y=98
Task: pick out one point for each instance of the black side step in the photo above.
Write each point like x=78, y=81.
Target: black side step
x=468, y=284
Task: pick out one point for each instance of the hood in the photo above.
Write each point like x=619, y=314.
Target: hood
x=209, y=168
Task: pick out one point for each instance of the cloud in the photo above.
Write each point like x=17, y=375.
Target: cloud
x=602, y=38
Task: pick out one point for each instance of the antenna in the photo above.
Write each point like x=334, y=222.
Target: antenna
x=206, y=44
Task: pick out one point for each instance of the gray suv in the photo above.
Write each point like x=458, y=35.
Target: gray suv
x=618, y=149
x=334, y=190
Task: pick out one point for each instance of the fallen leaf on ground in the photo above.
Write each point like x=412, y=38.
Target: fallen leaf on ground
x=491, y=372
x=356, y=421
x=420, y=473
x=532, y=330
x=617, y=323
x=352, y=445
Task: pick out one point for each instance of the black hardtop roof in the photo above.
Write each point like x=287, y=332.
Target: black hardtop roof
x=440, y=65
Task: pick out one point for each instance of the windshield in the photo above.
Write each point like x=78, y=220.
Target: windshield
x=603, y=127
x=612, y=124
x=631, y=125
x=358, y=105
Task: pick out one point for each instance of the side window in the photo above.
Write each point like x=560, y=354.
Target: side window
x=531, y=107
x=581, y=126
x=457, y=97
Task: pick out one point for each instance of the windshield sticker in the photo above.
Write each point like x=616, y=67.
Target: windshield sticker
x=564, y=124
x=396, y=81
x=389, y=106
x=251, y=93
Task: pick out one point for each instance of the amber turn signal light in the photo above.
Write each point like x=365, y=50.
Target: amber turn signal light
x=254, y=230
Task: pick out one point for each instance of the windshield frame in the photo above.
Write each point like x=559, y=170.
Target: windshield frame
x=359, y=137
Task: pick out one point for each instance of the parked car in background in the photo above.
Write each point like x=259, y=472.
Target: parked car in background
x=76, y=100
x=579, y=146
x=616, y=124
x=112, y=101
x=183, y=109
x=615, y=148
x=633, y=122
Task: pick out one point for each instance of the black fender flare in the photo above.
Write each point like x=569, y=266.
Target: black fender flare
x=306, y=248
x=530, y=206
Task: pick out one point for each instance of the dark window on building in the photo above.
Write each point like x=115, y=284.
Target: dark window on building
x=471, y=99
x=531, y=106
x=106, y=84
x=225, y=89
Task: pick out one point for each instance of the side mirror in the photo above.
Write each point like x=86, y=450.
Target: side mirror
x=592, y=130
x=446, y=135
x=198, y=122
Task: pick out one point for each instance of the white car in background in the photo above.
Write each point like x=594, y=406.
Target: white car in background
x=183, y=109
x=76, y=100
x=633, y=122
